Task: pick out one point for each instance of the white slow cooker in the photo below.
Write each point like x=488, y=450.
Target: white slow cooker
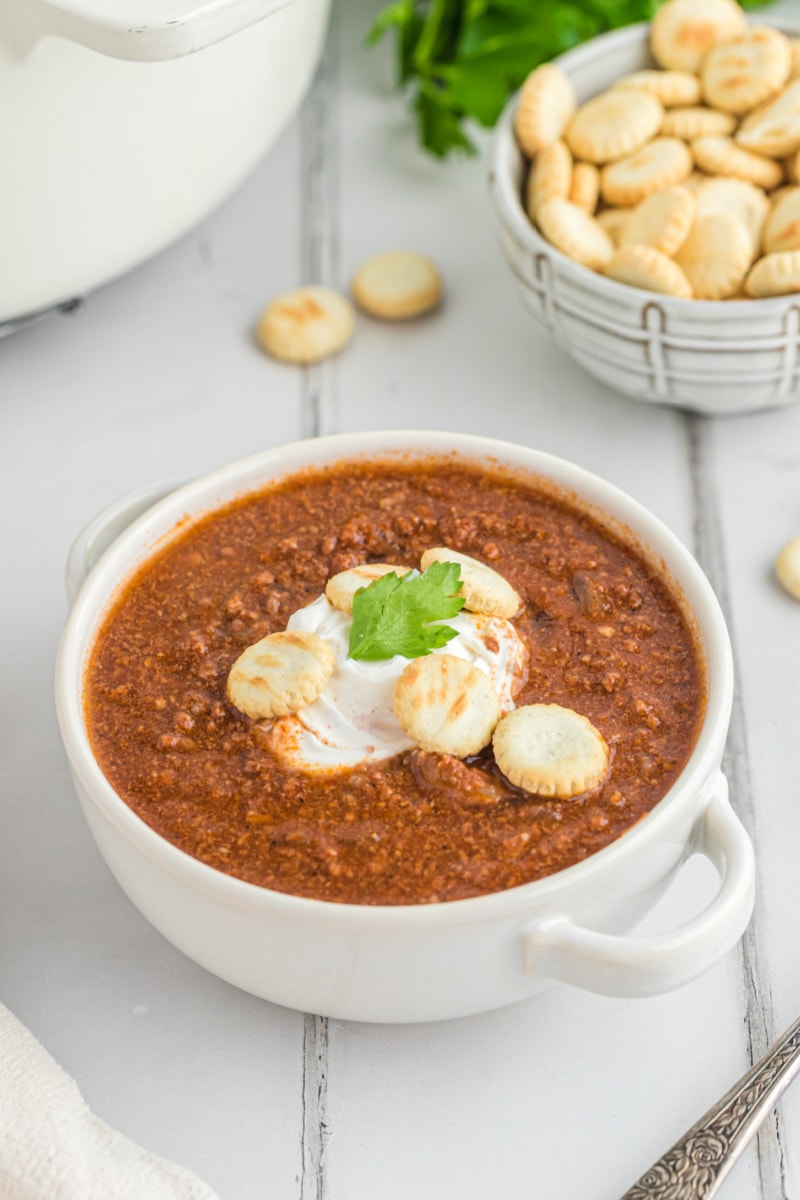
x=126, y=123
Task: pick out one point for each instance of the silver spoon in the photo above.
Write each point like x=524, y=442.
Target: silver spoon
x=696, y=1165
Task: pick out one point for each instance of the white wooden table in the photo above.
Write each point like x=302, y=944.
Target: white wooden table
x=567, y=1096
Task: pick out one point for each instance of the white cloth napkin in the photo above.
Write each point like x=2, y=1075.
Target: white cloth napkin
x=53, y=1148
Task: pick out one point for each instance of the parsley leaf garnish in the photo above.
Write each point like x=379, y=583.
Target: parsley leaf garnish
x=462, y=59
x=394, y=614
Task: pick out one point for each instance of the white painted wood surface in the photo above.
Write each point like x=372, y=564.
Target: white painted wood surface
x=564, y=1097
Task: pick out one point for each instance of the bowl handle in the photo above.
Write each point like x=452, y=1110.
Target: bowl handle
x=95, y=538
x=616, y=965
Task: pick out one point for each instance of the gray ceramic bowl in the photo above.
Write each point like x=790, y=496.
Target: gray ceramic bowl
x=714, y=357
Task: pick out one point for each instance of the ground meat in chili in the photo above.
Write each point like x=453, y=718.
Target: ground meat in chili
x=606, y=636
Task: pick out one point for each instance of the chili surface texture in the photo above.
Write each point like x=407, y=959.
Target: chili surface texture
x=605, y=633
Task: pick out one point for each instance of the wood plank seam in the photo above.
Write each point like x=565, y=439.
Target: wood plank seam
x=315, y=1126
x=320, y=253
x=759, y=1019
x=320, y=240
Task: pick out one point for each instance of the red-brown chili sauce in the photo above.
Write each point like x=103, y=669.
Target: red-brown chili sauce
x=605, y=637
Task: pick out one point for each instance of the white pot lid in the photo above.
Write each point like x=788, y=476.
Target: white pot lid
x=142, y=30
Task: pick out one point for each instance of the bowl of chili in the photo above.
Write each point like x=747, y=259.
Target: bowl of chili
x=415, y=887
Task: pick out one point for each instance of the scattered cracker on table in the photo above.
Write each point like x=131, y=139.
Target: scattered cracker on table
x=546, y=103
x=447, y=705
x=281, y=674
x=340, y=589
x=683, y=31
x=306, y=325
x=550, y=750
x=787, y=567
x=397, y=285
x=484, y=589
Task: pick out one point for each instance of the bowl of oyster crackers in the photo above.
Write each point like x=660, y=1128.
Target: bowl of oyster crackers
x=647, y=190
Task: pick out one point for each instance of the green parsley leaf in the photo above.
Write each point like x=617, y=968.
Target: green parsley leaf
x=394, y=614
x=462, y=59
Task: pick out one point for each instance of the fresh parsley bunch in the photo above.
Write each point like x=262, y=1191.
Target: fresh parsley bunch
x=464, y=58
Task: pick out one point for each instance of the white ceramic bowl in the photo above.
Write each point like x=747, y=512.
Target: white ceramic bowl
x=715, y=357
x=423, y=962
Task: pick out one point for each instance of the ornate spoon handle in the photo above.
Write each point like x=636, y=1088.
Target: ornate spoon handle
x=696, y=1165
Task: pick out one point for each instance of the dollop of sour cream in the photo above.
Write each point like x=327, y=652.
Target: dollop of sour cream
x=352, y=720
